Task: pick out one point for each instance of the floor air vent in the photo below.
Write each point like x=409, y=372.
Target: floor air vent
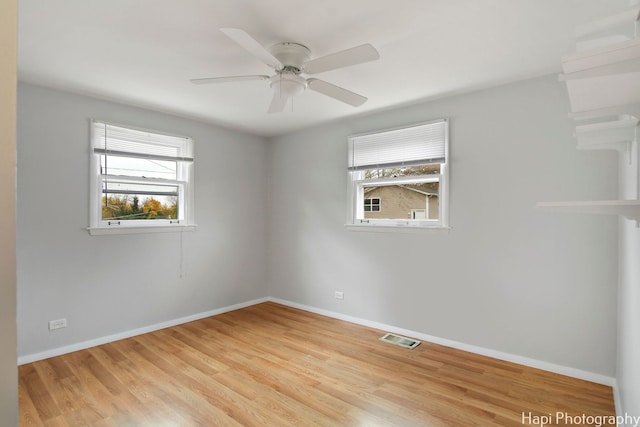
x=401, y=341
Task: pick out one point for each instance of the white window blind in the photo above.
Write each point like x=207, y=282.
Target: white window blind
x=114, y=140
x=416, y=145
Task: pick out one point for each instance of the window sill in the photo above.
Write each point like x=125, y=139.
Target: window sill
x=397, y=228
x=100, y=231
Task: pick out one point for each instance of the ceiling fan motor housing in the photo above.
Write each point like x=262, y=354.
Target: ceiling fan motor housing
x=292, y=55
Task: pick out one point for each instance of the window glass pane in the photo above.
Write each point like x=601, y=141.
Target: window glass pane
x=128, y=201
x=411, y=201
x=402, y=171
x=138, y=167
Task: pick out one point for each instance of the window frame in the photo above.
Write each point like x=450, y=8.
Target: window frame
x=357, y=183
x=184, y=182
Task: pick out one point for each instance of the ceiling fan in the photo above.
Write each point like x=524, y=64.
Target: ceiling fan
x=290, y=60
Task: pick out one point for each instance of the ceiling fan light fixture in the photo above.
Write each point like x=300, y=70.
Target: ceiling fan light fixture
x=288, y=85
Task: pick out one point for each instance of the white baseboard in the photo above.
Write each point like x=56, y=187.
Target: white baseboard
x=34, y=357
x=617, y=401
x=559, y=369
x=521, y=360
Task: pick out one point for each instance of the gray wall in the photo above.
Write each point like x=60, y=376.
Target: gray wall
x=628, y=366
x=507, y=277
x=106, y=285
x=8, y=371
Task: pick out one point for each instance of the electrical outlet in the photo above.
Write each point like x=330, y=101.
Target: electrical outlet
x=339, y=295
x=57, y=324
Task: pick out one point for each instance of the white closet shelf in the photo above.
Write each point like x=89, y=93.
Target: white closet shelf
x=610, y=92
x=629, y=209
x=611, y=23
x=622, y=122
x=628, y=66
x=605, y=78
x=614, y=134
x=617, y=53
x=619, y=110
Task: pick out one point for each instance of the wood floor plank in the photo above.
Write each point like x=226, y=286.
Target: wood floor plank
x=37, y=391
x=271, y=365
x=29, y=415
x=236, y=405
x=167, y=387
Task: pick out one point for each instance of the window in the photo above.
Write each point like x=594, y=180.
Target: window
x=405, y=167
x=372, y=204
x=140, y=180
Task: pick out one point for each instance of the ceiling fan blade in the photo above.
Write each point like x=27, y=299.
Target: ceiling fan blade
x=249, y=43
x=345, y=58
x=227, y=79
x=278, y=103
x=336, y=92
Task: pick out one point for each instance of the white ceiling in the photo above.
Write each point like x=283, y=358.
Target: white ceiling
x=143, y=52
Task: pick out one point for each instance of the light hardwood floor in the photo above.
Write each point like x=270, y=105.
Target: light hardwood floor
x=271, y=365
